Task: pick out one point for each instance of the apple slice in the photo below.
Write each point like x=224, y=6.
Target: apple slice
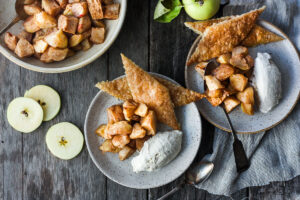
x=48, y=98
x=64, y=140
x=24, y=114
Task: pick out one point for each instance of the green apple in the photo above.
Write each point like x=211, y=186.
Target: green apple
x=24, y=114
x=201, y=10
x=48, y=98
x=64, y=140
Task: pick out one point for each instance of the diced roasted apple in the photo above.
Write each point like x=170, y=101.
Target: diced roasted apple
x=31, y=25
x=126, y=152
x=10, y=41
x=24, y=48
x=111, y=11
x=98, y=23
x=107, y=146
x=32, y=9
x=128, y=109
x=75, y=40
x=62, y=3
x=84, y=24
x=98, y=35
x=223, y=72
x=95, y=8
x=141, y=110
x=139, y=143
x=76, y=9
x=119, y=128
x=120, y=140
x=115, y=114
x=44, y=20
x=249, y=60
x=224, y=59
x=25, y=35
x=214, y=93
x=213, y=83
x=230, y=103
x=86, y=44
x=137, y=131
x=68, y=23
x=247, y=96
x=238, y=82
x=247, y=108
x=45, y=57
x=240, y=62
x=57, y=54
x=218, y=100
x=101, y=132
x=57, y=39
x=239, y=51
x=149, y=122
x=40, y=46
x=51, y=7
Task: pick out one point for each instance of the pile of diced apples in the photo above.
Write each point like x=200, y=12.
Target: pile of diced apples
x=129, y=126
x=56, y=29
x=228, y=83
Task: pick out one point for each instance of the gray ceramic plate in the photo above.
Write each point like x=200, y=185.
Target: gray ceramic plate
x=286, y=57
x=121, y=171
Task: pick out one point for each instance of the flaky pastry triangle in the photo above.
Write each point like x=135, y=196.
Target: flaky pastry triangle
x=146, y=89
x=222, y=37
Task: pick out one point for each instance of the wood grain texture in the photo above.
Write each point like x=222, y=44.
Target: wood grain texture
x=29, y=171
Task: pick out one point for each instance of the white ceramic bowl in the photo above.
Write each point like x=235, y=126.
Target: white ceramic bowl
x=80, y=59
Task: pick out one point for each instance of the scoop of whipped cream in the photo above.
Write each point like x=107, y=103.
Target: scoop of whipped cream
x=158, y=151
x=267, y=82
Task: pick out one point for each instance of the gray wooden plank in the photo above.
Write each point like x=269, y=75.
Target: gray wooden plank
x=133, y=42
x=45, y=176
x=11, y=147
x=169, y=45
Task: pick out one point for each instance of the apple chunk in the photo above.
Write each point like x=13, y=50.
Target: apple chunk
x=149, y=122
x=115, y=114
x=238, y=82
x=247, y=108
x=213, y=83
x=247, y=96
x=230, y=103
x=119, y=128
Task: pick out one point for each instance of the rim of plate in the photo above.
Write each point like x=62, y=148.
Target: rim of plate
x=36, y=68
x=223, y=128
x=112, y=178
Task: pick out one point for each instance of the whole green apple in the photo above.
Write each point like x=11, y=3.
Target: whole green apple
x=201, y=10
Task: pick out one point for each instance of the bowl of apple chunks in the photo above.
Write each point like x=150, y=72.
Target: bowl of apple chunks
x=56, y=29
x=129, y=126
x=229, y=82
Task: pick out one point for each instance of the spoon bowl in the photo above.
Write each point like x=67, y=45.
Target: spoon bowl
x=199, y=172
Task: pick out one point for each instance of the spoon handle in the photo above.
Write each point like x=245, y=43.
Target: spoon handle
x=175, y=189
x=241, y=160
x=13, y=22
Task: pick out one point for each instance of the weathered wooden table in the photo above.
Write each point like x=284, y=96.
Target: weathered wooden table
x=29, y=171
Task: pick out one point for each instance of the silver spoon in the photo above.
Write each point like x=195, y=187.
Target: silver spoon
x=241, y=160
x=21, y=15
x=195, y=174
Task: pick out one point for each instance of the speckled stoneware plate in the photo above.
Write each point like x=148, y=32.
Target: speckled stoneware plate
x=121, y=171
x=287, y=59
x=80, y=59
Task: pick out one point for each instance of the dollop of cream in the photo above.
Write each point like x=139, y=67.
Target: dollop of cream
x=158, y=151
x=267, y=82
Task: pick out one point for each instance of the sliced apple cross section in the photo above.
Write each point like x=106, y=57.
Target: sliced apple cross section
x=64, y=140
x=24, y=114
x=48, y=98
